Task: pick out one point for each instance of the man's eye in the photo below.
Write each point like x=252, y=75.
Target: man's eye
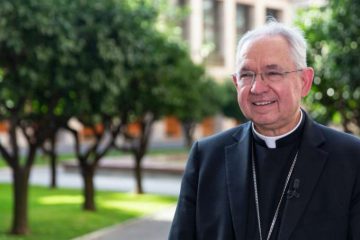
x=246, y=75
x=273, y=73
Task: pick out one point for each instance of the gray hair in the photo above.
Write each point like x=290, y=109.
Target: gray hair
x=292, y=35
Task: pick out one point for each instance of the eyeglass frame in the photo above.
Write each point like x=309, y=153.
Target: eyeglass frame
x=264, y=78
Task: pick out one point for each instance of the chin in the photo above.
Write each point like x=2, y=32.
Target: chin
x=264, y=121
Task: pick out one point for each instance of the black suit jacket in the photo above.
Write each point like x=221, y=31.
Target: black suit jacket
x=213, y=201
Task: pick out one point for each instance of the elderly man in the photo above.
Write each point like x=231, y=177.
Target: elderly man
x=281, y=175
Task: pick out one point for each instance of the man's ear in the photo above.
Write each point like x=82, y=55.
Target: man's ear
x=307, y=80
x=234, y=80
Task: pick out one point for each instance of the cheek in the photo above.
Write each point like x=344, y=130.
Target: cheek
x=295, y=94
x=242, y=96
x=290, y=97
x=288, y=93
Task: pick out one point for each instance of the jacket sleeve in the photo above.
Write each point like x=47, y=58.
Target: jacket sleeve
x=184, y=222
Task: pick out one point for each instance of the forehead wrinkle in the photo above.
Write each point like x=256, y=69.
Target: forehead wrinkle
x=245, y=65
x=252, y=53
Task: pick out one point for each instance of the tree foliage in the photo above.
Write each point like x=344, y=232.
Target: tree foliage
x=35, y=51
x=230, y=107
x=333, y=34
x=102, y=63
x=151, y=80
x=192, y=96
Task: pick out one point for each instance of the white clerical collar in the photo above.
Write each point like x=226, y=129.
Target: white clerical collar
x=271, y=141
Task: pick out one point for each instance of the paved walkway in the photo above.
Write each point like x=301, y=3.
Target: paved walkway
x=166, y=183
x=155, y=227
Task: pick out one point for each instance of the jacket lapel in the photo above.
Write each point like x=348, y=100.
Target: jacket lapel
x=308, y=170
x=237, y=177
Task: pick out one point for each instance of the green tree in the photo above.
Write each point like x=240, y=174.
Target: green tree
x=101, y=63
x=151, y=78
x=193, y=96
x=333, y=34
x=64, y=59
x=230, y=107
x=104, y=30
x=161, y=74
x=35, y=46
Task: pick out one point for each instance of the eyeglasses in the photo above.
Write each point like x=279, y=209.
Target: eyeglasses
x=248, y=77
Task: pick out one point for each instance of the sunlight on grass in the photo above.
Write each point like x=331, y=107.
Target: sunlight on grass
x=60, y=199
x=139, y=204
x=135, y=207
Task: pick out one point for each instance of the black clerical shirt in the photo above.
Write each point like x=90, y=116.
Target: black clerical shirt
x=272, y=167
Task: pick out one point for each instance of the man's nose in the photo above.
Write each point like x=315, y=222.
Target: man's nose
x=258, y=85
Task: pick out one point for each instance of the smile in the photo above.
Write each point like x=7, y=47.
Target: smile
x=263, y=103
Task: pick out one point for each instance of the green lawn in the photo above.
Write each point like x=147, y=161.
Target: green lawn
x=57, y=215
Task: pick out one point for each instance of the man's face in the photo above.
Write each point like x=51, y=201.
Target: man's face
x=272, y=106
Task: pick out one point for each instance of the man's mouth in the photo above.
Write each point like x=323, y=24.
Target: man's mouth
x=263, y=103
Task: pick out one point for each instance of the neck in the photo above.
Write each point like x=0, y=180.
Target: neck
x=270, y=140
x=280, y=131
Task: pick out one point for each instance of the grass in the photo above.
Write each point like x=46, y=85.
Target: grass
x=56, y=214
x=168, y=151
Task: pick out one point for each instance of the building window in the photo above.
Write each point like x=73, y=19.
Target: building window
x=185, y=22
x=213, y=32
x=273, y=13
x=242, y=20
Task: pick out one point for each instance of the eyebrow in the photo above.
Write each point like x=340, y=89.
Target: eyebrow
x=245, y=68
x=273, y=66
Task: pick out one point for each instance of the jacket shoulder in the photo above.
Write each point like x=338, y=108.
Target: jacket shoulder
x=226, y=137
x=340, y=139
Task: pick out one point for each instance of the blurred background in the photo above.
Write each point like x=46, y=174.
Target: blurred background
x=100, y=102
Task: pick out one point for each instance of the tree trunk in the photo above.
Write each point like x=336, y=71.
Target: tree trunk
x=138, y=176
x=89, y=189
x=140, y=148
x=53, y=162
x=20, y=207
x=53, y=180
x=188, y=129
